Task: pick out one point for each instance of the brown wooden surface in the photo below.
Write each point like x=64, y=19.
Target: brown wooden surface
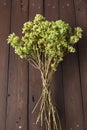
x=20, y=83
x=18, y=74
x=71, y=78
x=4, y=52
x=34, y=75
x=81, y=20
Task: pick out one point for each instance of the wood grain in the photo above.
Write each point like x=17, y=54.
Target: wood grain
x=18, y=74
x=81, y=20
x=35, y=85
x=4, y=52
x=20, y=83
x=71, y=76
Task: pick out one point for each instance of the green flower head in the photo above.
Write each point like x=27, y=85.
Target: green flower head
x=49, y=38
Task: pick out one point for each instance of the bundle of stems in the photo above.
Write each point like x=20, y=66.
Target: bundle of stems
x=48, y=112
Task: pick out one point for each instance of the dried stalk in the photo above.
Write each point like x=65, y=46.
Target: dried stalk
x=48, y=113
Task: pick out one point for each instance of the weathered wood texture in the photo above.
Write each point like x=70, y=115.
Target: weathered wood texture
x=34, y=75
x=20, y=83
x=18, y=73
x=4, y=53
x=71, y=76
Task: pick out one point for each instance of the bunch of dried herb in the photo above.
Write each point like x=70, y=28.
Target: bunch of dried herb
x=44, y=44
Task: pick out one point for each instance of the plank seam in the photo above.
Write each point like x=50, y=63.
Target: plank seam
x=63, y=94
x=28, y=123
x=62, y=71
x=28, y=99
x=79, y=65
x=8, y=66
x=43, y=7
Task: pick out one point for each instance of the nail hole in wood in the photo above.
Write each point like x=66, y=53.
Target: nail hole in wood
x=9, y=95
x=48, y=4
x=20, y=127
x=78, y=9
x=19, y=118
x=77, y=125
x=33, y=99
x=33, y=4
x=39, y=7
x=17, y=122
x=5, y=3
x=53, y=7
x=68, y=4
x=21, y=3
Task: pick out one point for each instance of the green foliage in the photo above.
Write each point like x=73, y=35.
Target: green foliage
x=52, y=39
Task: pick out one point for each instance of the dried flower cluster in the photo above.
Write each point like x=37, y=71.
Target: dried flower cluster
x=45, y=43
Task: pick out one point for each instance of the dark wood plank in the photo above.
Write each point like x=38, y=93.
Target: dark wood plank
x=51, y=9
x=81, y=20
x=52, y=13
x=4, y=51
x=18, y=74
x=71, y=78
x=35, y=7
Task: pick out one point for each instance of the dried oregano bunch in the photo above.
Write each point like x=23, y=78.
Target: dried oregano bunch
x=44, y=44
